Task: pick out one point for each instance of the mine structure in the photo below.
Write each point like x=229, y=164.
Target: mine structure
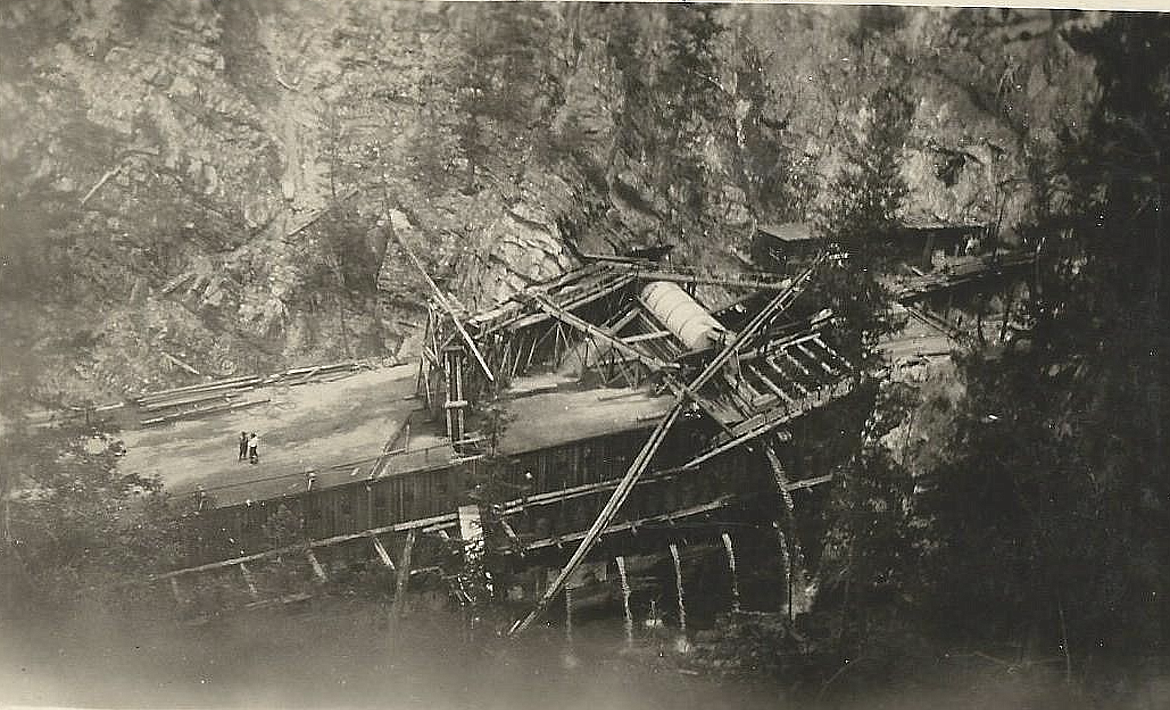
x=601, y=435
x=603, y=421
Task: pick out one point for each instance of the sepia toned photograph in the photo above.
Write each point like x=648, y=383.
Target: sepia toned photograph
x=583, y=356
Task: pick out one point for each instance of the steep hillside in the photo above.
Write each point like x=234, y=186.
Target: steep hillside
x=211, y=182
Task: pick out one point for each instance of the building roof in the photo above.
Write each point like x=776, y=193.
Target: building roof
x=302, y=428
x=788, y=231
x=558, y=417
x=338, y=431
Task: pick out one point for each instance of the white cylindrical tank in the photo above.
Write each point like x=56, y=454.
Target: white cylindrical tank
x=682, y=315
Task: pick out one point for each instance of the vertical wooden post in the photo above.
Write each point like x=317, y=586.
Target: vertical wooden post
x=786, y=559
x=569, y=616
x=383, y=555
x=731, y=568
x=678, y=582
x=398, y=607
x=621, y=565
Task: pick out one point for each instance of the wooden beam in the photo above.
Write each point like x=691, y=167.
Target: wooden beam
x=585, y=326
x=778, y=304
x=718, y=503
x=646, y=336
x=318, y=570
x=818, y=360
x=442, y=301
x=236, y=383
x=398, y=606
x=788, y=355
x=195, y=413
x=774, y=361
x=756, y=284
x=425, y=525
x=832, y=353
x=176, y=361
x=602, y=291
x=808, y=483
x=383, y=555
x=776, y=389
x=760, y=429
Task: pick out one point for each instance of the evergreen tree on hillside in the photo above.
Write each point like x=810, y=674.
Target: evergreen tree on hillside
x=75, y=526
x=1051, y=514
x=499, y=77
x=864, y=199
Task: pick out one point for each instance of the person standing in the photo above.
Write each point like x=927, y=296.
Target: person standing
x=243, y=445
x=254, y=449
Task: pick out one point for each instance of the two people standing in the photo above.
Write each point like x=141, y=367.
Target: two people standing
x=249, y=447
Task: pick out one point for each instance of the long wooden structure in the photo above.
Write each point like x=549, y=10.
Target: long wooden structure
x=668, y=446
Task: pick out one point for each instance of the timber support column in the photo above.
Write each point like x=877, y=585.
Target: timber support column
x=454, y=359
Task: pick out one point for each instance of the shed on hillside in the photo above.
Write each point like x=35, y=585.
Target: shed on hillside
x=777, y=245
x=921, y=242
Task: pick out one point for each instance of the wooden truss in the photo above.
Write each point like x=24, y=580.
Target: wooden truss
x=746, y=337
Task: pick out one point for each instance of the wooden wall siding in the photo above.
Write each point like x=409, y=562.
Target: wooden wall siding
x=349, y=508
x=736, y=471
x=361, y=504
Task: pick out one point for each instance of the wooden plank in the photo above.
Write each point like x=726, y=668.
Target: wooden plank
x=832, y=353
x=205, y=386
x=318, y=570
x=799, y=365
x=776, y=389
x=176, y=361
x=817, y=359
x=626, y=318
x=586, y=327
x=646, y=336
x=383, y=555
x=774, y=361
x=193, y=399
x=194, y=413
x=763, y=427
x=808, y=483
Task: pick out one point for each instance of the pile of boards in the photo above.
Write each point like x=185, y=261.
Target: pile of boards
x=228, y=395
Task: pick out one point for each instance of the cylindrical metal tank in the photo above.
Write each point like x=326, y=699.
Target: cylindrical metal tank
x=682, y=315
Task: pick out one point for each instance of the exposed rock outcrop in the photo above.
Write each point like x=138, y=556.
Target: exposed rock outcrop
x=218, y=171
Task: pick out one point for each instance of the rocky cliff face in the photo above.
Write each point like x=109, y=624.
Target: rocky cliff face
x=212, y=182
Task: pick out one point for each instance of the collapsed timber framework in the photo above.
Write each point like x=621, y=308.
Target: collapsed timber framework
x=611, y=331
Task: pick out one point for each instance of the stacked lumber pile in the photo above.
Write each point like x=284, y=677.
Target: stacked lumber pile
x=228, y=395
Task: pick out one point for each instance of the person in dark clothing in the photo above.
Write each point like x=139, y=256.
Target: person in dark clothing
x=243, y=445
